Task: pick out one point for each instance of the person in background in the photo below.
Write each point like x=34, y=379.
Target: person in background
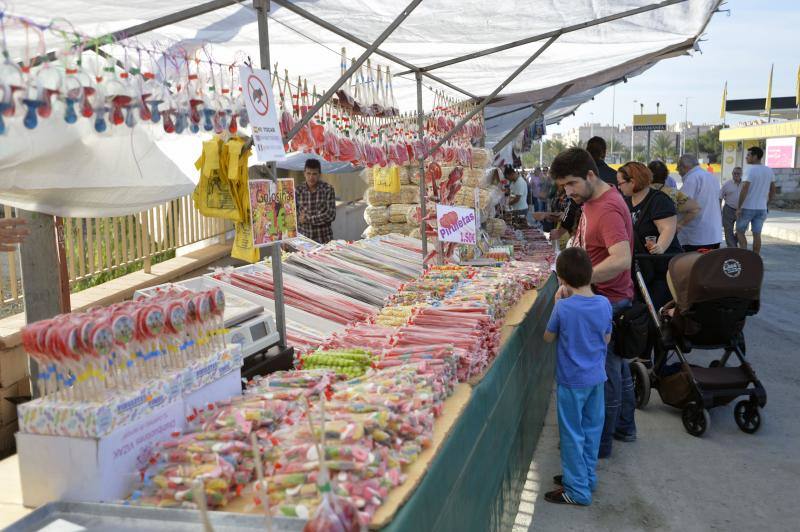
x=596, y=146
x=687, y=208
x=655, y=221
x=705, y=230
x=729, y=195
x=517, y=195
x=12, y=232
x=758, y=189
x=605, y=231
x=316, y=205
x=581, y=321
x=540, y=190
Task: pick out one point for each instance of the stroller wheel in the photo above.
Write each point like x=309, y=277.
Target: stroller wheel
x=696, y=419
x=747, y=415
x=641, y=383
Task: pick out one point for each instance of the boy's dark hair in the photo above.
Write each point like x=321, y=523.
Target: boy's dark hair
x=573, y=161
x=574, y=267
x=508, y=170
x=313, y=164
x=758, y=152
x=596, y=148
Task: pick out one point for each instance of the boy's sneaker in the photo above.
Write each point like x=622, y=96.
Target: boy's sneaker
x=560, y=496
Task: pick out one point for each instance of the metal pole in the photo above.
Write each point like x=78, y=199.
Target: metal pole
x=547, y=35
x=350, y=71
x=613, y=117
x=525, y=122
x=422, y=199
x=294, y=8
x=262, y=12
x=494, y=93
x=647, y=157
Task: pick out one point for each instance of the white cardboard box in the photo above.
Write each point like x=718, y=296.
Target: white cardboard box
x=60, y=468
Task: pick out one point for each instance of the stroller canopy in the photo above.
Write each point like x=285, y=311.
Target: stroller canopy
x=728, y=272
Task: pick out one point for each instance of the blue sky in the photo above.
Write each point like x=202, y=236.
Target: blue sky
x=738, y=48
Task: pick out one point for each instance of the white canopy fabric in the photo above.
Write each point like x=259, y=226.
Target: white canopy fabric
x=589, y=59
x=73, y=171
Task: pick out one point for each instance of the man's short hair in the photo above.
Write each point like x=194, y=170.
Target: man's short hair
x=596, y=147
x=313, y=164
x=688, y=160
x=573, y=161
x=756, y=152
x=736, y=168
x=574, y=267
x=508, y=170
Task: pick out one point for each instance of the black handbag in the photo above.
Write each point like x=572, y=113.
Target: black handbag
x=632, y=332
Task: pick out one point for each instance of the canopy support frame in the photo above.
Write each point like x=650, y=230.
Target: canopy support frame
x=525, y=122
x=294, y=8
x=547, y=35
x=490, y=97
x=350, y=71
x=262, y=12
x=423, y=203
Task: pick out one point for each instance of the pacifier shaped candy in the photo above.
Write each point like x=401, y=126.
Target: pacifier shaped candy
x=119, y=98
x=32, y=102
x=11, y=81
x=49, y=82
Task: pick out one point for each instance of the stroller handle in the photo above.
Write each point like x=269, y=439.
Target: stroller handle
x=649, y=256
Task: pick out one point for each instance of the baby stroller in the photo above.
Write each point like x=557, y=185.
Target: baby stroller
x=713, y=294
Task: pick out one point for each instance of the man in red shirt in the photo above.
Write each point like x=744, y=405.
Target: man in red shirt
x=605, y=231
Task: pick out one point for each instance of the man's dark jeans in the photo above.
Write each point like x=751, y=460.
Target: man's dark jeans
x=619, y=395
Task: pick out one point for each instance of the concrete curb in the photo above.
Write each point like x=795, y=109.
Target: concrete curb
x=784, y=225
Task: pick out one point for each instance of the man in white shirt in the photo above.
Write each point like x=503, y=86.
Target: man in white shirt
x=704, y=231
x=758, y=189
x=517, y=196
x=730, y=195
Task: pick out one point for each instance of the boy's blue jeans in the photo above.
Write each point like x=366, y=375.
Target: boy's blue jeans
x=580, y=423
x=619, y=395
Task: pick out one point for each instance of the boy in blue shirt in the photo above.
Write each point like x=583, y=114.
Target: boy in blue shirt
x=581, y=321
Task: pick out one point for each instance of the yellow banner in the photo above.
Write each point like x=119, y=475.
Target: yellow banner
x=650, y=120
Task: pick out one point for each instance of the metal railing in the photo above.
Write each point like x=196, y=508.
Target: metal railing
x=100, y=249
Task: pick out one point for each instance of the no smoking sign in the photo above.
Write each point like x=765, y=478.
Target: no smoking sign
x=261, y=111
x=257, y=94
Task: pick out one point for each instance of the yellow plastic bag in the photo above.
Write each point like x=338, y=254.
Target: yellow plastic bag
x=243, y=248
x=213, y=195
x=386, y=179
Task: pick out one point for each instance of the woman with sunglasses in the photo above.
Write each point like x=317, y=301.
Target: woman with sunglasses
x=654, y=226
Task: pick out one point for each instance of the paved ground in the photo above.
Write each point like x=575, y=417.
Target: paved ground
x=727, y=480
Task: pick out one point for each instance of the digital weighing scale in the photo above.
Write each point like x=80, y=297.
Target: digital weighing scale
x=248, y=323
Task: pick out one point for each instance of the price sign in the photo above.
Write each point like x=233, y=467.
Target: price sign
x=456, y=224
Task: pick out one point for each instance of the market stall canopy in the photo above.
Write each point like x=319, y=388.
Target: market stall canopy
x=73, y=171
x=581, y=46
x=434, y=32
